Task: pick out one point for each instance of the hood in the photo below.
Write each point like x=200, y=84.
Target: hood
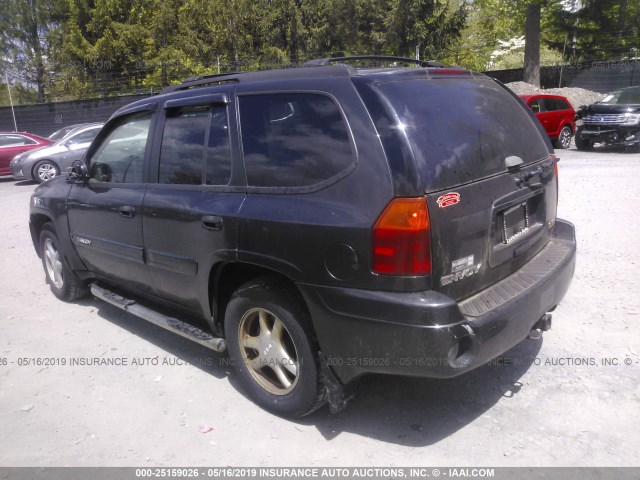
x=611, y=108
x=45, y=151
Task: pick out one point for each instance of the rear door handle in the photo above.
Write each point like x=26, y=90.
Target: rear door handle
x=128, y=211
x=212, y=222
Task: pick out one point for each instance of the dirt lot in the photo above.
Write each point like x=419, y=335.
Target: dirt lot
x=552, y=402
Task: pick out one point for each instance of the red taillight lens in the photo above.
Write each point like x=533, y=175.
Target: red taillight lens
x=401, y=243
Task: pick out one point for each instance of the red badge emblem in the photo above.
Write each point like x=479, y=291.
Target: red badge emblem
x=448, y=199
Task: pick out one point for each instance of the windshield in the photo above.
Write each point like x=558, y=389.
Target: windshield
x=459, y=129
x=623, y=97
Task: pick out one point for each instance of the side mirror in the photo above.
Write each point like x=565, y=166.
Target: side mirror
x=79, y=172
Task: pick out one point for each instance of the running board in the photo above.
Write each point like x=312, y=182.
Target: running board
x=174, y=325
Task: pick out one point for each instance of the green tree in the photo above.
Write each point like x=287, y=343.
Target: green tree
x=602, y=29
x=25, y=25
x=426, y=26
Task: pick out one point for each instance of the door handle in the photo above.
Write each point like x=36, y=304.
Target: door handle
x=128, y=211
x=212, y=222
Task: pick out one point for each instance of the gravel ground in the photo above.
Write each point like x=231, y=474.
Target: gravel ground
x=547, y=402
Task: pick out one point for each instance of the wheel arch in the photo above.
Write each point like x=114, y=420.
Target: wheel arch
x=36, y=222
x=226, y=278
x=567, y=123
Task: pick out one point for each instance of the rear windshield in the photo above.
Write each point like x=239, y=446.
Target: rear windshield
x=459, y=129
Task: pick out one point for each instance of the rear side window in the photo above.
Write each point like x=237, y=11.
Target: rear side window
x=459, y=129
x=293, y=139
x=551, y=104
x=184, y=160
x=182, y=150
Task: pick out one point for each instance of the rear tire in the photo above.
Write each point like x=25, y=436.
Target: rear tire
x=564, y=139
x=272, y=344
x=582, y=144
x=63, y=282
x=45, y=170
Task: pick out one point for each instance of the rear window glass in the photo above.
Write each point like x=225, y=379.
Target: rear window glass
x=460, y=130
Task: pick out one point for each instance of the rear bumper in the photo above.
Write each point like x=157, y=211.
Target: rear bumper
x=428, y=334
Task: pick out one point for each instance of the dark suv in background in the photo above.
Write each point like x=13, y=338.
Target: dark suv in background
x=613, y=121
x=325, y=221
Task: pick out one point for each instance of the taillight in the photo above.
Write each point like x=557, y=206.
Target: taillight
x=401, y=238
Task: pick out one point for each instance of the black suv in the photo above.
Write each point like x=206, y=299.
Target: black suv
x=325, y=221
x=613, y=121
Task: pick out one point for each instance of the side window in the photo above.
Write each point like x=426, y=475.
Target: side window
x=84, y=137
x=15, y=140
x=293, y=139
x=182, y=155
x=182, y=151
x=120, y=156
x=550, y=104
x=535, y=105
x=562, y=105
x=218, y=149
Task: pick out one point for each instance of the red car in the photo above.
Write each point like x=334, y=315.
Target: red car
x=13, y=143
x=556, y=115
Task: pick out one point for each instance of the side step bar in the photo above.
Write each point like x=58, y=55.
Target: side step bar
x=174, y=325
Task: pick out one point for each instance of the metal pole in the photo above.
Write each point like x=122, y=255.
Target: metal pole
x=561, y=65
x=6, y=79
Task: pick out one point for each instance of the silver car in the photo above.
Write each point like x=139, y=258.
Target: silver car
x=48, y=162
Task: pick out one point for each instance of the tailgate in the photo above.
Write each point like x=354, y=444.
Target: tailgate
x=484, y=164
x=497, y=225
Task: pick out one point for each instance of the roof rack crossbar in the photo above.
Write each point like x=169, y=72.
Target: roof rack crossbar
x=389, y=58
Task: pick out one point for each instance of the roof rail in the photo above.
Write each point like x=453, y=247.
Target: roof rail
x=203, y=80
x=388, y=58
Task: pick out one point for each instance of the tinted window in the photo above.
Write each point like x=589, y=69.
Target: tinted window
x=562, y=105
x=551, y=104
x=183, y=140
x=535, y=105
x=218, y=149
x=182, y=150
x=293, y=140
x=459, y=129
x=120, y=156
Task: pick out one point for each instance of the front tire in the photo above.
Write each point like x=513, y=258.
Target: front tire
x=273, y=347
x=582, y=144
x=63, y=282
x=45, y=170
x=564, y=139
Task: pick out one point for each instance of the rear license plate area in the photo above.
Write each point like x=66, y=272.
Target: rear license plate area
x=514, y=222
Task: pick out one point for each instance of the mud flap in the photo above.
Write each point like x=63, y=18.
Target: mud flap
x=338, y=395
